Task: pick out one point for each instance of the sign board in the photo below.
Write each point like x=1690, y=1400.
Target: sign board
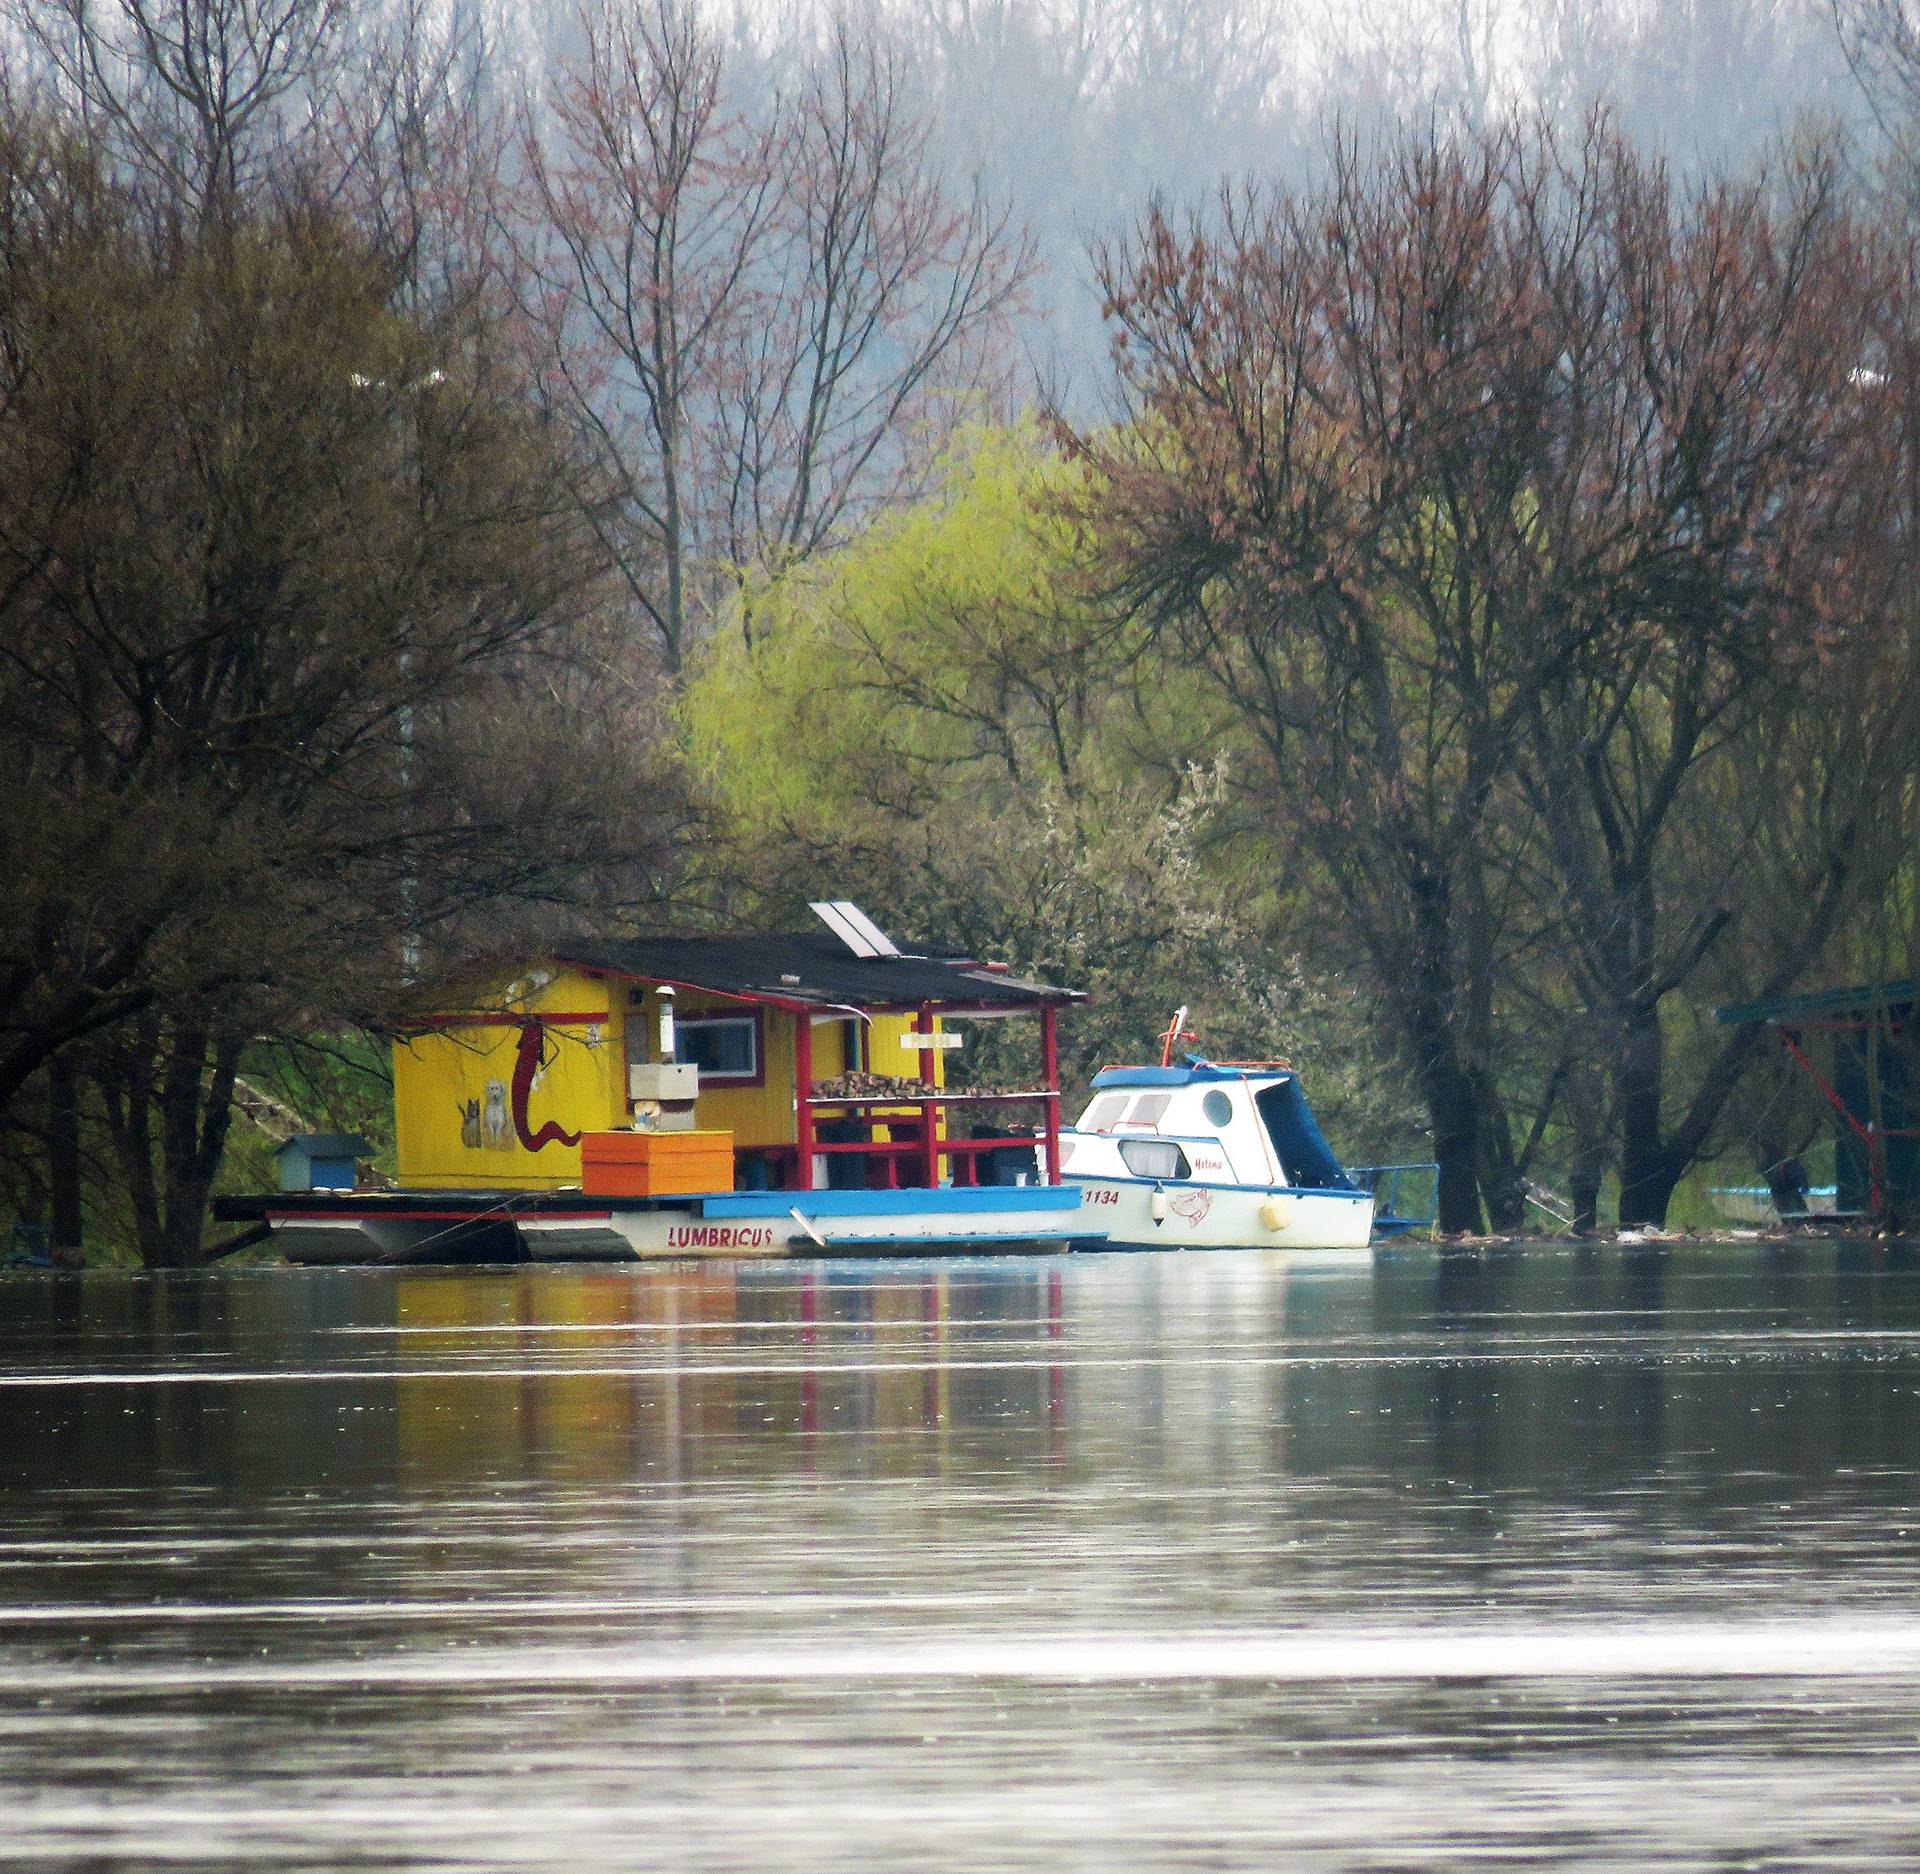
x=916, y=1042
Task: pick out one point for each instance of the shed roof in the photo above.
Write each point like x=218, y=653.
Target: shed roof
x=326, y=1145
x=1856, y=999
x=810, y=969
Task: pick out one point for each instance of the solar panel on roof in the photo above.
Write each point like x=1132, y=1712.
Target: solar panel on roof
x=834, y=917
x=883, y=945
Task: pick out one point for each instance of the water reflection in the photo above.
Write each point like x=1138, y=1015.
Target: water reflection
x=1116, y=1561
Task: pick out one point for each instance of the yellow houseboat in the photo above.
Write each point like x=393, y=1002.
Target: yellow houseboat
x=710, y=1095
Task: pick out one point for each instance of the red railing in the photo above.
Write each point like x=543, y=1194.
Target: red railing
x=916, y=1117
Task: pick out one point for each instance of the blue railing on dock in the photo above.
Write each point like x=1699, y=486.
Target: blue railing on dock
x=1405, y=1197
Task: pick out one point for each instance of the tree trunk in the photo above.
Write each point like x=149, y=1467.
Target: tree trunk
x=168, y=1096
x=1454, y=1117
x=1644, y=1202
x=1646, y=1177
x=1503, y=1184
x=1430, y=1011
x=1588, y=1120
x=196, y=1110
x=1588, y=1171
x=122, y=1071
x=1585, y=1185
x=63, y=1161
x=1647, y=1173
x=1455, y=1148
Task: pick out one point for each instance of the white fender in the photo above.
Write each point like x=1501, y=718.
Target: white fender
x=1157, y=1205
x=1277, y=1212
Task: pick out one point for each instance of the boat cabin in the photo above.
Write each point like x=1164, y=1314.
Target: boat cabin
x=1209, y=1122
x=793, y=1061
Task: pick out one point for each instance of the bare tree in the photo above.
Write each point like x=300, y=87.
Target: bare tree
x=1335, y=400
x=1881, y=39
x=270, y=553
x=653, y=209
x=758, y=326
x=198, y=97
x=1712, y=348
x=412, y=148
x=884, y=299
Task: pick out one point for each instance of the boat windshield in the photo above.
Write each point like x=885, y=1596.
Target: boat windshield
x=1102, y=1113
x=1298, y=1142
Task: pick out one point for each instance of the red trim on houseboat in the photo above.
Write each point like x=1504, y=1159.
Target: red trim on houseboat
x=500, y=1212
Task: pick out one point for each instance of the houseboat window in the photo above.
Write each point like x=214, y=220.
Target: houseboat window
x=723, y=1047
x=1153, y=1158
x=1217, y=1107
x=1103, y=1112
x=1148, y=1108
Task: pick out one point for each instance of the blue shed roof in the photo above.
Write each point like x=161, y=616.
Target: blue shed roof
x=325, y=1145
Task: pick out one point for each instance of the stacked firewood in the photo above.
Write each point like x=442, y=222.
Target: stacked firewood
x=861, y=1085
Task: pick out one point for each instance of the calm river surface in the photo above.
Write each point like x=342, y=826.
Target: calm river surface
x=1583, y=1559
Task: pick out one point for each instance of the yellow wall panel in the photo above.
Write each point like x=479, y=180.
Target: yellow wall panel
x=453, y=1090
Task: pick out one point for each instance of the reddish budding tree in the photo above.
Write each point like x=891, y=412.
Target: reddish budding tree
x=1501, y=491
x=1727, y=487
x=1334, y=400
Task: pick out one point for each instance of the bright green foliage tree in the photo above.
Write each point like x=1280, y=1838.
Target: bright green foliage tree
x=938, y=721
x=948, y=640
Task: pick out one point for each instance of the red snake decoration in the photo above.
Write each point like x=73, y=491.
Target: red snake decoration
x=526, y=1063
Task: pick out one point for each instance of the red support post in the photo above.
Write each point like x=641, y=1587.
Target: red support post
x=1876, y=1149
x=1050, y=1080
x=802, y=1093
x=929, y=1113
x=1820, y=1080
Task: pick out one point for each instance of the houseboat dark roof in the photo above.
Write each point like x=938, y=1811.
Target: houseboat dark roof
x=811, y=969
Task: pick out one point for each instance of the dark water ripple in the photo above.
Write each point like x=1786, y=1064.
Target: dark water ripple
x=1557, y=1559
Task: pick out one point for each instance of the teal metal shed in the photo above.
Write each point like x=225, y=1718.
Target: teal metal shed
x=1862, y=1049
x=321, y=1161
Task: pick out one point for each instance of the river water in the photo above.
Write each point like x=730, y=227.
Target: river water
x=1555, y=1558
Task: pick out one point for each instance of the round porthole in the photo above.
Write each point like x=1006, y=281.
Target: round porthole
x=1217, y=1107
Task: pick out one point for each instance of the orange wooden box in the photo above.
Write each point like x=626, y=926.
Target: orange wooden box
x=655, y=1164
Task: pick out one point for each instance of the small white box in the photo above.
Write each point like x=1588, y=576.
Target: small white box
x=663, y=1080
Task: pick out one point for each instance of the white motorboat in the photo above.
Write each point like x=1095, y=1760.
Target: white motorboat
x=1210, y=1155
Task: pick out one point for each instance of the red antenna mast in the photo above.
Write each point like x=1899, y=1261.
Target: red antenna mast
x=1174, y=1035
